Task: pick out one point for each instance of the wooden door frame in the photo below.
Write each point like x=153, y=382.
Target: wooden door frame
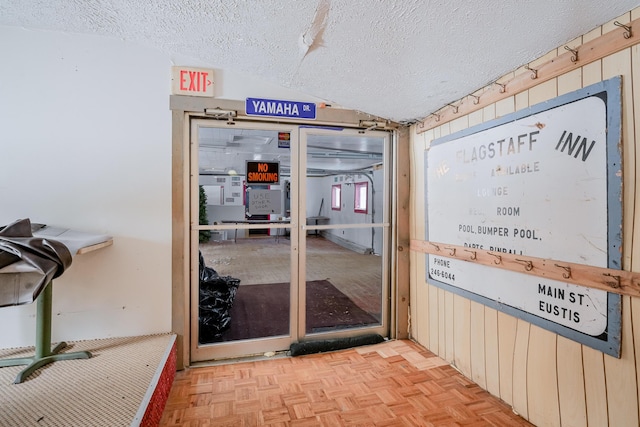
x=183, y=109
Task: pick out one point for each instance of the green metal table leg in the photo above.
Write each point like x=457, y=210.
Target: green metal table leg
x=44, y=354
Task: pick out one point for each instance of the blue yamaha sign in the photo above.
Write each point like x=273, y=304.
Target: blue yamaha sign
x=278, y=108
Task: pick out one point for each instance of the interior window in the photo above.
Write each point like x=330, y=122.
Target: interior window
x=361, y=189
x=336, y=197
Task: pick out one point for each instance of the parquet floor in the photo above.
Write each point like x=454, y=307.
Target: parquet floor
x=396, y=383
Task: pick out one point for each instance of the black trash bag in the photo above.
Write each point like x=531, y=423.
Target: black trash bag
x=206, y=273
x=216, y=297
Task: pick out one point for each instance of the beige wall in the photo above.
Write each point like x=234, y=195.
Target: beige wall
x=548, y=379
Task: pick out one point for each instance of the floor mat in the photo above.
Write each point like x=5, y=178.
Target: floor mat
x=263, y=311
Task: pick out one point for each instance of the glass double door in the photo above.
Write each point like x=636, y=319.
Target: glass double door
x=289, y=236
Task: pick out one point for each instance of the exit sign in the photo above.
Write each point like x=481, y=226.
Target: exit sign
x=192, y=81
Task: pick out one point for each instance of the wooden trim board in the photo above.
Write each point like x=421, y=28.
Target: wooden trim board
x=594, y=50
x=617, y=281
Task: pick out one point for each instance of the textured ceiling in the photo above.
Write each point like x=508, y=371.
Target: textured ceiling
x=397, y=59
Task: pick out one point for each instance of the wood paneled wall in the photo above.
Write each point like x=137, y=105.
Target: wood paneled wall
x=548, y=379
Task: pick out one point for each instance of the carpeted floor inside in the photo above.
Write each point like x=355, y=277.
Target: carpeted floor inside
x=110, y=389
x=263, y=311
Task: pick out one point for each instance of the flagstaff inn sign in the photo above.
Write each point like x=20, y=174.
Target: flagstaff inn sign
x=544, y=182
